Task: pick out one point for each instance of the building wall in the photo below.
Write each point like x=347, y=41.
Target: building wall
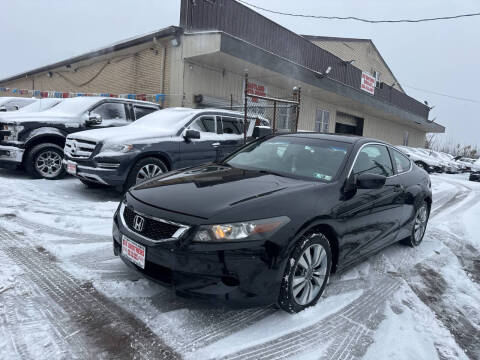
x=365, y=55
x=210, y=81
x=137, y=71
x=161, y=69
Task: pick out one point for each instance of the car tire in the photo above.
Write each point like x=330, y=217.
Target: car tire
x=420, y=222
x=151, y=167
x=306, y=274
x=45, y=161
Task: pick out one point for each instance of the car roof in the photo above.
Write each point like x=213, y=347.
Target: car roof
x=207, y=110
x=351, y=139
x=99, y=98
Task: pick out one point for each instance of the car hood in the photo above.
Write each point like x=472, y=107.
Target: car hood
x=122, y=134
x=212, y=189
x=43, y=116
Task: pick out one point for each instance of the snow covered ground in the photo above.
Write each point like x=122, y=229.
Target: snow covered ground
x=64, y=295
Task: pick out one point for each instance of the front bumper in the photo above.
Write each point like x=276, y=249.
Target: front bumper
x=240, y=274
x=11, y=155
x=101, y=175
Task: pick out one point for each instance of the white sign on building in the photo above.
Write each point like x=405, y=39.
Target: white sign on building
x=368, y=83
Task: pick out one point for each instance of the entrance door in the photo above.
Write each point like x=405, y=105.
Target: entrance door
x=348, y=124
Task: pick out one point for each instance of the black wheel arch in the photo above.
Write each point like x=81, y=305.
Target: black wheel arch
x=164, y=157
x=53, y=138
x=319, y=226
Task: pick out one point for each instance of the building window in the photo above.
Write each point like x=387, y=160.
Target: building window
x=322, y=120
x=377, y=75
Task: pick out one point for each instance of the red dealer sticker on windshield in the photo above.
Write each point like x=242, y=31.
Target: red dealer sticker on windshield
x=368, y=83
x=133, y=252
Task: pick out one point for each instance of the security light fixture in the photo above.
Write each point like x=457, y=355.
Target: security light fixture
x=346, y=62
x=328, y=70
x=174, y=42
x=49, y=74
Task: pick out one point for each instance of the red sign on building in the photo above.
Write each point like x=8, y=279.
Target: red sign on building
x=256, y=89
x=368, y=83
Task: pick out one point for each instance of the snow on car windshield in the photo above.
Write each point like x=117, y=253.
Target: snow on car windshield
x=296, y=157
x=167, y=118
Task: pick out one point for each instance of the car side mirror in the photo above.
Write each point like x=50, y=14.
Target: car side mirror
x=93, y=119
x=261, y=131
x=3, y=108
x=370, y=181
x=191, y=134
x=456, y=158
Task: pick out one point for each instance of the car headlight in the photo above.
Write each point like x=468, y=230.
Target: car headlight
x=14, y=131
x=241, y=231
x=123, y=148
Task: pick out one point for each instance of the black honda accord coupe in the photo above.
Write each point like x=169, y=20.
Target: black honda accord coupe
x=271, y=222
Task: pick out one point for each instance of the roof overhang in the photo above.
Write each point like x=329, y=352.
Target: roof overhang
x=163, y=34
x=224, y=51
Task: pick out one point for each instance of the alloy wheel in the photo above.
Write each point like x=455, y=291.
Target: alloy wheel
x=309, y=274
x=147, y=172
x=420, y=224
x=49, y=164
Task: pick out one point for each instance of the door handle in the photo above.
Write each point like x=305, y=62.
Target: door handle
x=217, y=144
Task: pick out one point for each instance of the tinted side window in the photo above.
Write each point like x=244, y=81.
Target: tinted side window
x=142, y=111
x=111, y=111
x=204, y=124
x=401, y=161
x=231, y=126
x=373, y=159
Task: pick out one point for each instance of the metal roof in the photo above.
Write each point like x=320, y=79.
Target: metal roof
x=124, y=44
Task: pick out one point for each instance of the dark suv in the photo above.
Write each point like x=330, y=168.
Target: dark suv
x=36, y=139
x=165, y=140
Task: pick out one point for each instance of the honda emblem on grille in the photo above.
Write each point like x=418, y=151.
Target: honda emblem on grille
x=138, y=223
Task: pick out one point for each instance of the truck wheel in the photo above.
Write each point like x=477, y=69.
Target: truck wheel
x=307, y=273
x=143, y=170
x=45, y=161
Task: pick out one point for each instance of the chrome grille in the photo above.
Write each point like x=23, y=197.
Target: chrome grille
x=152, y=229
x=79, y=149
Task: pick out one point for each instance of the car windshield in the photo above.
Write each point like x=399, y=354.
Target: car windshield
x=168, y=118
x=75, y=105
x=299, y=157
x=40, y=105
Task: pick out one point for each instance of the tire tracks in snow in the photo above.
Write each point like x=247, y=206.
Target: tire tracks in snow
x=358, y=319
x=105, y=329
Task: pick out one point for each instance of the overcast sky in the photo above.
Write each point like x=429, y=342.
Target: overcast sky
x=441, y=56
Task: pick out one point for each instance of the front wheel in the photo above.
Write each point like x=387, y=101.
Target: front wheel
x=45, y=161
x=144, y=170
x=307, y=273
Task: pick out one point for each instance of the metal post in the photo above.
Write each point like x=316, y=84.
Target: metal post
x=231, y=101
x=298, y=109
x=274, y=115
x=245, y=105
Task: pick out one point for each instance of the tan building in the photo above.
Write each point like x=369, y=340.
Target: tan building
x=209, y=54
